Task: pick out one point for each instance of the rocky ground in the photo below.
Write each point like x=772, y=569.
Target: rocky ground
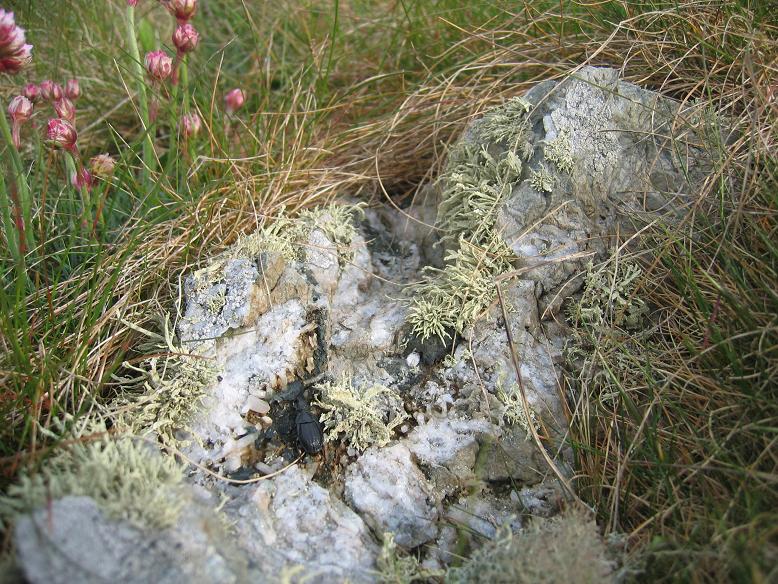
x=435, y=441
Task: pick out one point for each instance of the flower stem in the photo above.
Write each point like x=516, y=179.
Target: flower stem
x=26, y=236
x=148, y=144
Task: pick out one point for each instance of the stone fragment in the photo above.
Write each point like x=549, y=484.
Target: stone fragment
x=392, y=494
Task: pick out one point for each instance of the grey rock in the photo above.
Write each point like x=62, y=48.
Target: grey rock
x=392, y=494
x=73, y=541
x=306, y=526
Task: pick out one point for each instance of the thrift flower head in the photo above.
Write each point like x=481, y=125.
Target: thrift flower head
x=234, y=100
x=20, y=110
x=159, y=65
x=15, y=54
x=32, y=92
x=62, y=133
x=72, y=89
x=185, y=38
x=132, y=3
x=190, y=124
x=50, y=91
x=183, y=10
x=102, y=165
x=65, y=109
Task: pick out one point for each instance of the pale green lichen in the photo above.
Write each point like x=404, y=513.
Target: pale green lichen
x=609, y=297
x=542, y=180
x=514, y=412
x=363, y=416
x=607, y=321
x=396, y=567
x=172, y=382
x=128, y=478
x=567, y=548
x=508, y=125
x=559, y=152
x=476, y=183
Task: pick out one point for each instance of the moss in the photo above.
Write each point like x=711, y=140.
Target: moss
x=125, y=476
x=164, y=396
x=567, y=548
x=558, y=152
x=363, y=416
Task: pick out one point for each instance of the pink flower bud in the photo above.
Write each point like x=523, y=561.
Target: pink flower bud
x=82, y=179
x=185, y=38
x=132, y=3
x=65, y=109
x=182, y=10
x=50, y=91
x=15, y=54
x=62, y=133
x=234, y=100
x=32, y=92
x=190, y=124
x=158, y=65
x=20, y=109
x=102, y=165
x=72, y=89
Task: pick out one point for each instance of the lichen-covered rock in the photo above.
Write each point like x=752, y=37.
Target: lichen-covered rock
x=73, y=541
x=391, y=493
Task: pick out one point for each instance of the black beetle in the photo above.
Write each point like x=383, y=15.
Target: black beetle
x=309, y=434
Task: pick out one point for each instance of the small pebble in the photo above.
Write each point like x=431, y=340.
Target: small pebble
x=413, y=359
x=255, y=404
x=351, y=451
x=419, y=418
x=404, y=428
x=266, y=421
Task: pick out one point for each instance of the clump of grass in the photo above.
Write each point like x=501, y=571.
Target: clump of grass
x=363, y=416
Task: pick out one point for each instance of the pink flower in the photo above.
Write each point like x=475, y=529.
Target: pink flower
x=234, y=100
x=72, y=89
x=62, y=133
x=15, y=54
x=82, y=179
x=183, y=10
x=158, y=65
x=185, y=38
x=190, y=125
x=32, y=92
x=20, y=110
x=50, y=91
x=65, y=109
x=132, y=3
x=102, y=165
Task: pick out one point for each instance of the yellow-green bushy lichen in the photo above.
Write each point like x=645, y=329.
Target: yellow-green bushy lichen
x=171, y=384
x=476, y=182
x=558, y=152
x=125, y=476
x=542, y=180
x=363, y=416
x=514, y=412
